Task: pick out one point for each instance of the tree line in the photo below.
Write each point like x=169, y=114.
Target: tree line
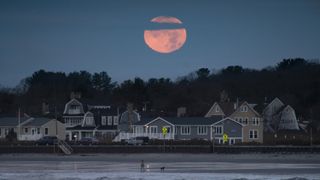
x=295, y=81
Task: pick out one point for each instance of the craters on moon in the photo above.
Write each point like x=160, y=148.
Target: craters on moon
x=165, y=40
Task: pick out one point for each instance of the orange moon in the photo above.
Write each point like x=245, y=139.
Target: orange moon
x=165, y=40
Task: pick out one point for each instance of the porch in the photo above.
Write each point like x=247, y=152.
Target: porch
x=123, y=135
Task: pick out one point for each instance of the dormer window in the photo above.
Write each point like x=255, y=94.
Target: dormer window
x=89, y=120
x=109, y=120
x=217, y=109
x=244, y=108
x=74, y=109
x=103, y=120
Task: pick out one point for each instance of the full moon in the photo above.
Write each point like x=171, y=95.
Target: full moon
x=165, y=40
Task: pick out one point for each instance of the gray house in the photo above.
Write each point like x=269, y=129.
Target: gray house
x=31, y=129
x=186, y=128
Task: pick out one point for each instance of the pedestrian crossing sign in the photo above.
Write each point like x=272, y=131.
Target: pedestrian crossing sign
x=225, y=138
x=164, y=131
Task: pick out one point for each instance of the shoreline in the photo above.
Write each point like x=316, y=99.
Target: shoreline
x=166, y=157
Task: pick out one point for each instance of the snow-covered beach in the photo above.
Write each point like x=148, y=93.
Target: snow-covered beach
x=177, y=166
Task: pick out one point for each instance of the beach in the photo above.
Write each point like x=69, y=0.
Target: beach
x=177, y=166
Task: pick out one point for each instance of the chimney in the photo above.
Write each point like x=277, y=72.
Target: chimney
x=236, y=104
x=75, y=95
x=181, y=111
x=45, y=108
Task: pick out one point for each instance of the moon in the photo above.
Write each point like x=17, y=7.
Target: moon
x=165, y=40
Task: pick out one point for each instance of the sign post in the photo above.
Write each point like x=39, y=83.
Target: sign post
x=164, y=133
x=225, y=138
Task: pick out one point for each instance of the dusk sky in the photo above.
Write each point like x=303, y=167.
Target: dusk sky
x=109, y=36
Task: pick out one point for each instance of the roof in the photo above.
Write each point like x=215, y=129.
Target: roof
x=227, y=107
x=11, y=121
x=184, y=120
x=37, y=122
x=79, y=127
x=107, y=128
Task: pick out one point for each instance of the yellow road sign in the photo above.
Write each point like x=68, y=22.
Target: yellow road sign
x=225, y=138
x=164, y=130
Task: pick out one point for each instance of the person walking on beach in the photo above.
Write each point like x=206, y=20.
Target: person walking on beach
x=142, y=166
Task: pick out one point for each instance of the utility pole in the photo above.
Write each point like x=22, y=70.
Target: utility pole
x=19, y=126
x=311, y=135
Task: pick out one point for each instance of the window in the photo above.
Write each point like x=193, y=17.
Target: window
x=176, y=130
x=33, y=131
x=202, y=130
x=153, y=129
x=168, y=129
x=46, y=131
x=109, y=120
x=244, y=108
x=115, y=120
x=38, y=130
x=103, y=120
x=6, y=131
x=217, y=109
x=246, y=119
x=218, y=130
x=240, y=120
x=255, y=121
x=89, y=120
x=185, y=130
x=253, y=134
x=232, y=141
x=25, y=130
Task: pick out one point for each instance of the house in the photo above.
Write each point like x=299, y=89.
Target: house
x=279, y=116
x=243, y=113
x=31, y=129
x=251, y=120
x=84, y=119
x=128, y=118
x=36, y=128
x=186, y=128
x=8, y=124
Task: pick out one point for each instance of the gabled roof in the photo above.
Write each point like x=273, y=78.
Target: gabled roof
x=248, y=105
x=275, y=100
x=227, y=118
x=183, y=120
x=12, y=121
x=226, y=107
x=37, y=122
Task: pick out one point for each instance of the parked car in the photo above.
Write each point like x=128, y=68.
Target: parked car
x=89, y=141
x=137, y=140
x=47, y=140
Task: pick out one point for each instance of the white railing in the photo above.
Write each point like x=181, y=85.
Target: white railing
x=150, y=135
x=29, y=137
x=65, y=147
